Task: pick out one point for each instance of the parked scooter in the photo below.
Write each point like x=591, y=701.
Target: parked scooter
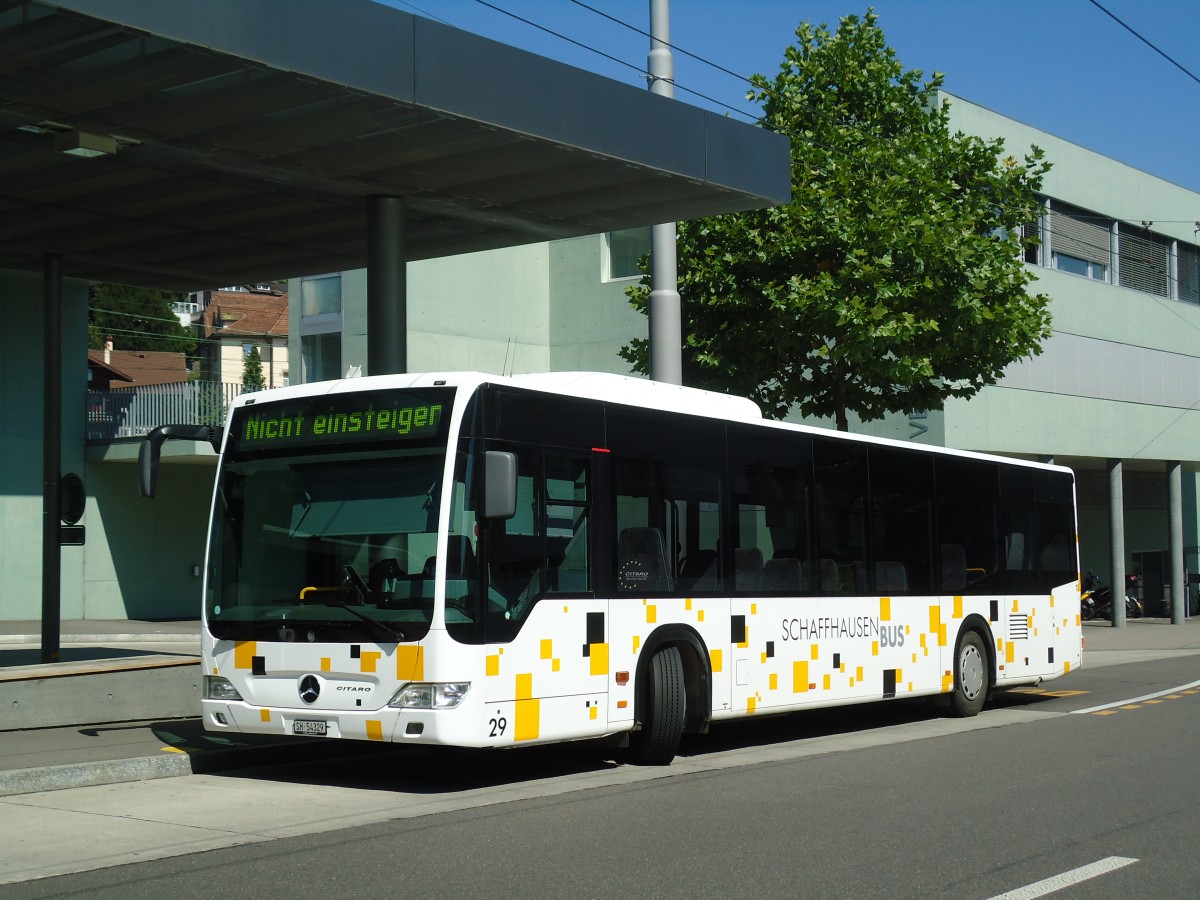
x=1096, y=599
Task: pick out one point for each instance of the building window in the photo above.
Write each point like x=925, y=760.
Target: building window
x=624, y=249
x=1145, y=261
x=247, y=349
x=1064, y=262
x=321, y=356
x=321, y=296
x=1188, y=265
x=1079, y=242
x=1031, y=243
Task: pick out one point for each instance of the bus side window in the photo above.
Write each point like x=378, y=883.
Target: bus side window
x=841, y=483
x=667, y=474
x=971, y=551
x=771, y=483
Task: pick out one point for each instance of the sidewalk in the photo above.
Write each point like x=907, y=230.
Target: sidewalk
x=114, y=680
x=143, y=747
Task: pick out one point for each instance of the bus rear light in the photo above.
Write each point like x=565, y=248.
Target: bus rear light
x=622, y=678
x=218, y=688
x=430, y=695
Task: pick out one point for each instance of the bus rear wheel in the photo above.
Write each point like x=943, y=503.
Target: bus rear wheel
x=664, y=704
x=971, y=680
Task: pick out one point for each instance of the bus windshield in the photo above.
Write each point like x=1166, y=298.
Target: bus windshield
x=326, y=518
x=328, y=547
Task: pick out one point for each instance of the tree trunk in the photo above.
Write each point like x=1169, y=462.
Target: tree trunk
x=839, y=417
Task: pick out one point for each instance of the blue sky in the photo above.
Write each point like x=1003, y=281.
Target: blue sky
x=1060, y=65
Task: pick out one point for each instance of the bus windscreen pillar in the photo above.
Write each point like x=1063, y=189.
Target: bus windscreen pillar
x=387, y=296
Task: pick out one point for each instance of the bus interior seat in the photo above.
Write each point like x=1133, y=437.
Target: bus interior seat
x=862, y=585
x=748, y=569
x=891, y=577
x=954, y=568
x=784, y=573
x=642, y=560
x=831, y=579
x=1016, y=551
x=1056, y=558
x=383, y=575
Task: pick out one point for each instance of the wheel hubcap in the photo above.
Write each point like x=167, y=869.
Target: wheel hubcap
x=970, y=672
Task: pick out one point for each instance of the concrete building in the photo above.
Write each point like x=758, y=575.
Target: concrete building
x=1115, y=394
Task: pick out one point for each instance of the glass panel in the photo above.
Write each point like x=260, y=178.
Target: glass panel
x=968, y=527
x=625, y=248
x=321, y=356
x=771, y=477
x=841, y=484
x=901, y=521
x=320, y=296
x=333, y=544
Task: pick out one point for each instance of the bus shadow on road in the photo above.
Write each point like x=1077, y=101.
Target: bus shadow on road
x=762, y=731
x=441, y=770
x=435, y=770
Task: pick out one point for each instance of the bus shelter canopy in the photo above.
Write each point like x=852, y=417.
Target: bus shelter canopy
x=200, y=143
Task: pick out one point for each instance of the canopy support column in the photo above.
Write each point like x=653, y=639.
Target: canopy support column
x=51, y=457
x=387, y=290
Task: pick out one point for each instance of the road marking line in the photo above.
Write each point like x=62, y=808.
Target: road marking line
x=1124, y=704
x=1066, y=879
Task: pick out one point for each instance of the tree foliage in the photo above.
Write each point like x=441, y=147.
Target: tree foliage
x=893, y=279
x=136, y=318
x=252, y=371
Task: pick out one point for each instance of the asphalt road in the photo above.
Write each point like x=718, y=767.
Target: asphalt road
x=878, y=801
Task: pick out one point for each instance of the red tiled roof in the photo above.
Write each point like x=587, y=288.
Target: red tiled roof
x=247, y=313
x=147, y=366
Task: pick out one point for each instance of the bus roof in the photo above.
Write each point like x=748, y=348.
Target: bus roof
x=622, y=389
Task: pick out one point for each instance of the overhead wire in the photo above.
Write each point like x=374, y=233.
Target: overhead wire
x=1182, y=68
x=759, y=120
x=637, y=68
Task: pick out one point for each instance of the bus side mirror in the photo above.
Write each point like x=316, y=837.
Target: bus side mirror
x=499, y=484
x=151, y=449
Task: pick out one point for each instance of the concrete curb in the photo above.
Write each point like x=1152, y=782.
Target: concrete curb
x=14, y=782
x=112, y=771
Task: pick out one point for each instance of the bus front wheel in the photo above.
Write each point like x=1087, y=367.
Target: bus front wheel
x=970, y=675
x=664, y=705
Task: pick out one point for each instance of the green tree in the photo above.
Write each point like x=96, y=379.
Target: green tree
x=136, y=318
x=252, y=373
x=893, y=279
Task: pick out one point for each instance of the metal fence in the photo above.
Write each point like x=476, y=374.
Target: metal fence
x=134, y=411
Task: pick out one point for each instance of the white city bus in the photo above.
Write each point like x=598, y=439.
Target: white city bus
x=480, y=561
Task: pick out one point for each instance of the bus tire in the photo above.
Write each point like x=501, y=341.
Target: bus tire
x=971, y=681
x=665, y=705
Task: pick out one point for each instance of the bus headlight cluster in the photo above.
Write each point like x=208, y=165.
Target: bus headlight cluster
x=218, y=688
x=430, y=695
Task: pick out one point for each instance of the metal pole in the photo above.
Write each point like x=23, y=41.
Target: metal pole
x=1175, y=544
x=1116, y=525
x=666, y=321
x=387, y=297
x=51, y=457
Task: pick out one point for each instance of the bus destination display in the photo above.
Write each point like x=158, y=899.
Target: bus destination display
x=342, y=419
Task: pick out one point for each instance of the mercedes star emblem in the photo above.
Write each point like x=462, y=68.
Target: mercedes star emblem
x=310, y=689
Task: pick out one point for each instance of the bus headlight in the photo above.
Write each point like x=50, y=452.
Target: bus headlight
x=430, y=695
x=218, y=688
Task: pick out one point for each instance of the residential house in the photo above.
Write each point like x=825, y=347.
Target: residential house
x=237, y=319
